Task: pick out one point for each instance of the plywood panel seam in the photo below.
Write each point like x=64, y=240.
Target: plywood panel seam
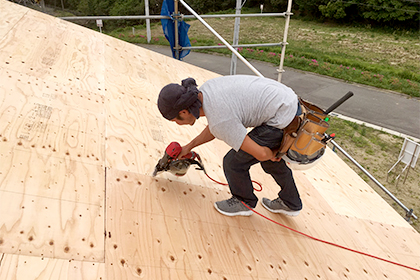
x=13, y=27
x=55, y=257
x=105, y=215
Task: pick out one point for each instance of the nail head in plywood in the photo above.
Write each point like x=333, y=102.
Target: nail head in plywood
x=51, y=52
x=37, y=226
x=171, y=228
x=51, y=177
x=164, y=227
x=10, y=15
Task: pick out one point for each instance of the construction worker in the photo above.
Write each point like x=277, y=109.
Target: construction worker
x=231, y=104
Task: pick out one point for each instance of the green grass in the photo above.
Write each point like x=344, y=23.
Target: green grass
x=360, y=55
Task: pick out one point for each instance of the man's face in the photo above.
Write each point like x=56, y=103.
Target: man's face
x=184, y=118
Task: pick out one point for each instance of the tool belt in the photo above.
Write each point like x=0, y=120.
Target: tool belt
x=305, y=133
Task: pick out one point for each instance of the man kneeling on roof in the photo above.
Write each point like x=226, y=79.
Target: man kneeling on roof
x=231, y=104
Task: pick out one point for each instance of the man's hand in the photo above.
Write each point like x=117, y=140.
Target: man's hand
x=261, y=153
x=184, y=152
x=204, y=137
x=276, y=158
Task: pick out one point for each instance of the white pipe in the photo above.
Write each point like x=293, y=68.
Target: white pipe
x=283, y=48
x=146, y=11
x=235, y=46
x=234, y=60
x=168, y=17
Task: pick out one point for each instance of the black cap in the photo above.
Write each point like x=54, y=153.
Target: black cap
x=174, y=98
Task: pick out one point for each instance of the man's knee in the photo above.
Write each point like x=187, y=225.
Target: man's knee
x=273, y=167
x=228, y=160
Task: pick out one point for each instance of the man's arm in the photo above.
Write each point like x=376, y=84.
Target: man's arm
x=204, y=137
x=259, y=152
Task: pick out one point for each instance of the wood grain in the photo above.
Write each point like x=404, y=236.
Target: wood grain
x=161, y=224
x=20, y=267
x=80, y=135
x=348, y=194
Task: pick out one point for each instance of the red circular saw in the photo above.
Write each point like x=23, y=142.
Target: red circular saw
x=178, y=167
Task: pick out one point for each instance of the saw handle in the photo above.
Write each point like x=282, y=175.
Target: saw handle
x=174, y=149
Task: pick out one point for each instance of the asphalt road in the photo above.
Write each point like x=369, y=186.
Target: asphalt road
x=386, y=109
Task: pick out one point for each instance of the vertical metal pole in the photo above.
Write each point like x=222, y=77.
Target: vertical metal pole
x=283, y=46
x=253, y=69
x=176, y=30
x=234, y=59
x=146, y=11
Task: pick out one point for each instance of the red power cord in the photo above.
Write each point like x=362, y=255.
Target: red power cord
x=224, y=184
x=311, y=237
x=330, y=243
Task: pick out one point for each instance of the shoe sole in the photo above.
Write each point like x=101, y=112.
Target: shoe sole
x=240, y=213
x=281, y=211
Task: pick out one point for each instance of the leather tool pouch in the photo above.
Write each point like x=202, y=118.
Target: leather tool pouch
x=305, y=133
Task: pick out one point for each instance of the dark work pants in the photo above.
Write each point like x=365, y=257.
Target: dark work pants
x=236, y=166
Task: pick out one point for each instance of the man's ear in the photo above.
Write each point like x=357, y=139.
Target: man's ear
x=183, y=112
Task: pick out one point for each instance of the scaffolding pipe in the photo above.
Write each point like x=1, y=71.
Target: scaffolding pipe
x=146, y=12
x=235, y=46
x=115, y=17
x=241, y=15
x=253, y=69
x=167, y=17
x=234, y=59
x=409, y=212
x=283, y=49
x=176, y=16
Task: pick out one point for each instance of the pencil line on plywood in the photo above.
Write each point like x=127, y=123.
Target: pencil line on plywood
x=212, y=223
x=46, y=197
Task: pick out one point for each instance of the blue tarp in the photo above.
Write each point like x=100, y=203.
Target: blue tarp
x=168, y=26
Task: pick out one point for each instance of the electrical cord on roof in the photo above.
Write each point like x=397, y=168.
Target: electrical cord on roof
x=330, y=243
x=314, y=238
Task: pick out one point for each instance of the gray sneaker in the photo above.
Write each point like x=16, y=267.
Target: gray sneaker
x=232, y=207
x=277, y=206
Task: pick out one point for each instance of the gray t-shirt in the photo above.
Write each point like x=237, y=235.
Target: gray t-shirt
x=233, y=103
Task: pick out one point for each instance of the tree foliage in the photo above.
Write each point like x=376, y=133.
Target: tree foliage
x=402, y=13
x=380, y=12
